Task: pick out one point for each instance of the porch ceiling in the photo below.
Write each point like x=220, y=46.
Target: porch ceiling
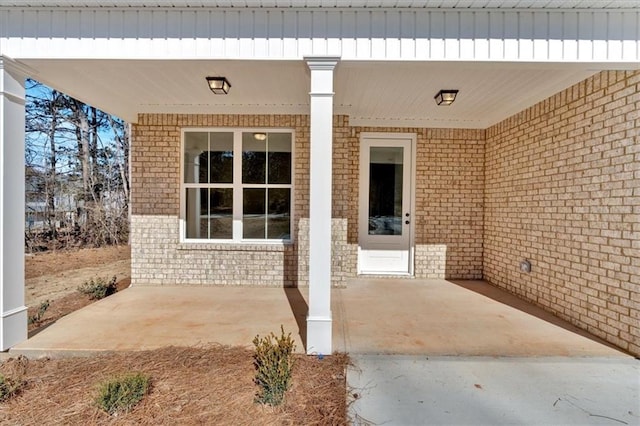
x=371, y=93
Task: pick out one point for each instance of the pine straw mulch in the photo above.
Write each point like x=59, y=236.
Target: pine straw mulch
x=189, y=386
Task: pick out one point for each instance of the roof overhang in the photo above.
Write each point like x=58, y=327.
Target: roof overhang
x=131, y=57
x=332, y=4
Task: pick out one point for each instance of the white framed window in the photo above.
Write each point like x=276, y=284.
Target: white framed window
x=237, y=185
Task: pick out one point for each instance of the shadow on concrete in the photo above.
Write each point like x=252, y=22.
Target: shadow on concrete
x=299, y=308
x=499, y=295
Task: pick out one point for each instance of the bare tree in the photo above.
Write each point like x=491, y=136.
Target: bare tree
x=77, y=155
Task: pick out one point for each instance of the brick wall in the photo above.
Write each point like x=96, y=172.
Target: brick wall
x=158, y=257
x=448, y=191
x=563, y=190
x=448, y=206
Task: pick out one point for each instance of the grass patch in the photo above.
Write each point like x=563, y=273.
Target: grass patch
x=42, y=308
x=99, y=288
x=9, y=387
x=120, y=394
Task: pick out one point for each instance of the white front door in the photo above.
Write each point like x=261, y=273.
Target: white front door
x=385, y=243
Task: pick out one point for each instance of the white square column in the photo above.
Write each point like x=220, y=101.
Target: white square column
x=319, y=322
x=13, y=314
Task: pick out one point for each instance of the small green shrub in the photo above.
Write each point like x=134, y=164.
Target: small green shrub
x=274, y=362
x=120, y=394
x=98, y=289
x=9, y=387
x=35, y=318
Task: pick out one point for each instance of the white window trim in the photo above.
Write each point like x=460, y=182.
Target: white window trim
x=237, y=195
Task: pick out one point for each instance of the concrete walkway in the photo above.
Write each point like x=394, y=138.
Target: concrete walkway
x=146, y=317
x=431, y=317
x=419, y=390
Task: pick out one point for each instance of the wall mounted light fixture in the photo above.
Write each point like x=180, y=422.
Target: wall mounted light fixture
x=446, y=97
x=219, y=85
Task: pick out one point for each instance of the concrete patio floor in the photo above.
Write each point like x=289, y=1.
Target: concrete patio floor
x=380, y=316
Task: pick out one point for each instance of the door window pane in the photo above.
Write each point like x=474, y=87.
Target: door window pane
x=385, y=191
x=278, y=218
x=254, y=158
x=253, y=213
x=209, y=213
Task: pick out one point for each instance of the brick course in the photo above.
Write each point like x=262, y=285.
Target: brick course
x=563, y=190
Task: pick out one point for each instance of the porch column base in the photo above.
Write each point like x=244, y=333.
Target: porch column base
x=319, y=335
x=13, y=324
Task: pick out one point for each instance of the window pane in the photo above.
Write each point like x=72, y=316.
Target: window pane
x=385, y=191
x=254, y=158
x=208, y=157
x=195, y=144
x=209, y=213
x=278, y=219
x=279, y=146
x=220, y=157
x=253, y=209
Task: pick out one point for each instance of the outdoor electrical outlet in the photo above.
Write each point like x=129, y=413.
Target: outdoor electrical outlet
x=525, y=266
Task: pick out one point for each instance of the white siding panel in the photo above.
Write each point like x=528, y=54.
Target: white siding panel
x=482, y=35
x=380, y=34
x=630, y=37
x=525, y=36
x=510, y=37
x=496, y=39
x=334, y=30
x=319, y=33
x=555, y=36
x=303, y=33
x=289, y=31
x=275, y=34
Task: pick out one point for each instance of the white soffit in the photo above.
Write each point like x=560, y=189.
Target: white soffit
x=371, y=93
x=442, y=4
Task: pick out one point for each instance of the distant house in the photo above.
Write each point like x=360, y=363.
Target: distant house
x=336, y=151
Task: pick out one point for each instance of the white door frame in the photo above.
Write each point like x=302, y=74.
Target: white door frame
x=363, y=195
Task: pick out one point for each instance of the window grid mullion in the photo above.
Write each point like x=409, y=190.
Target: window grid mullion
x=237, y=187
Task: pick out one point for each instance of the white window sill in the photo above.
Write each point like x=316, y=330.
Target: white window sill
x=275, y=246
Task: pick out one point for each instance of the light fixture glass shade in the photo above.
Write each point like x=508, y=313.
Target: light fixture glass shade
x=260, y=136
x=219, y=85
x=446, y=97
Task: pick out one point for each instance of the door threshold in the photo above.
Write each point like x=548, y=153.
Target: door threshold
x=383, y=275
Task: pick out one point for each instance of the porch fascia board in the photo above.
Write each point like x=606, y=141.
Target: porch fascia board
x=513, y=35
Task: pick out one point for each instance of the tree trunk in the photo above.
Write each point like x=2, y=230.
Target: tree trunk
x=51, y=175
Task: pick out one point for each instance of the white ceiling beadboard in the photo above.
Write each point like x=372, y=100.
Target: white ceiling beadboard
x=462, y=4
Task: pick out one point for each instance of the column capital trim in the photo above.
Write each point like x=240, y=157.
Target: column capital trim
x=327, y=63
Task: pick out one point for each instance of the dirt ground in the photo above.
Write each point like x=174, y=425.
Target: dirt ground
x=54, y=274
